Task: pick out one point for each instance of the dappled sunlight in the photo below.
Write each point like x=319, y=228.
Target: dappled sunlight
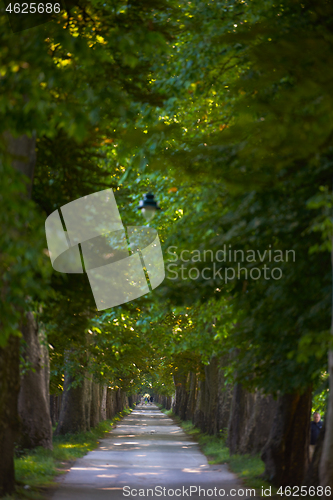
x=111, y=489
x=148, y=460
x=127, y=442
x=193, y=471
x=87, y=468
x=68, y=445
x=145, y=473
x=108, y=475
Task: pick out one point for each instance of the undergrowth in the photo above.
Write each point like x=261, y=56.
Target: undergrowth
x=36, y=469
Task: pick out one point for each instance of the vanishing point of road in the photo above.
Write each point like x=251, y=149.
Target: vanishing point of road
x=147, y=456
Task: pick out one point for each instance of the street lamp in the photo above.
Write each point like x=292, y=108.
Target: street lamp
x=148, y=206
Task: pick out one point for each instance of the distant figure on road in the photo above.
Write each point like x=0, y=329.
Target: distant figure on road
x=316, y=425
x=151, y=399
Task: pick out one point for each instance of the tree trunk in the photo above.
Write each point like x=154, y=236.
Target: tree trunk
x=87, y=400
x=199, y=414
x=211, y=406
x=55, y=405
x=119, y=401
x=241, y=407
x=73, y=411
x=259, y=424
x=251, y=419
x=224, y=405
x=95, y=405
x=103, y=402
x=225, y=392
x=326, y=462
x=33, y=401
x=111, y=404
x=180, y=403
x=191, y=400
x=286, y=453
x=45, y=362
x=9, y=421
x=24, y=161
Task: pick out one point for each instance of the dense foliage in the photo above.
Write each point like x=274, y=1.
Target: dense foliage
x=223, y=110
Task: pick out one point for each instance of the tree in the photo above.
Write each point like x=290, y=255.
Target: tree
x=22, y=149
x=266, y=139
x=48, y=86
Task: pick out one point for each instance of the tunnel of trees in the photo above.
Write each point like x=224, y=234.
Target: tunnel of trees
x=223, y=110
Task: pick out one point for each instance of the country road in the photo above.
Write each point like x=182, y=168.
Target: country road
x=147, y=456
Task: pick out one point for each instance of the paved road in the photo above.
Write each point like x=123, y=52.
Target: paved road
x=147, y=456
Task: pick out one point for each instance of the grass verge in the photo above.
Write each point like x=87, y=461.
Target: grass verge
x=36, y=469
x=247, y=467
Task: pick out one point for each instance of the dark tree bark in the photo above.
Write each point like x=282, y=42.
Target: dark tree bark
x=103, y=402
x=33, y=401
x=211, y=393
x=119, y=401
x=55, y=406
x=111, y=404
x=286, y=453
x=95, y=405
x=225, y=392
x=224, y=405
x=168, y=402
x=124, y=400
x=241, y=408
x=87, y=400
x=199, y=414
x=191, y=400
x=53, y=409
x=131, y=400
x=165, y=401
x=259, y=425
x=326, y=461
x=9, y=420
x=23, y=149
x=251, y=419
x=181, y=394
x=73, y=414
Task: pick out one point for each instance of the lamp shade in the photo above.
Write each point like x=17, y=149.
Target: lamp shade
x=148, y=206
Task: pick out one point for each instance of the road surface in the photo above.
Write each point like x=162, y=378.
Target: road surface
x=147, y=456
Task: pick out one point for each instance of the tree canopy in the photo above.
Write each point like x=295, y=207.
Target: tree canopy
x=223, y=110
